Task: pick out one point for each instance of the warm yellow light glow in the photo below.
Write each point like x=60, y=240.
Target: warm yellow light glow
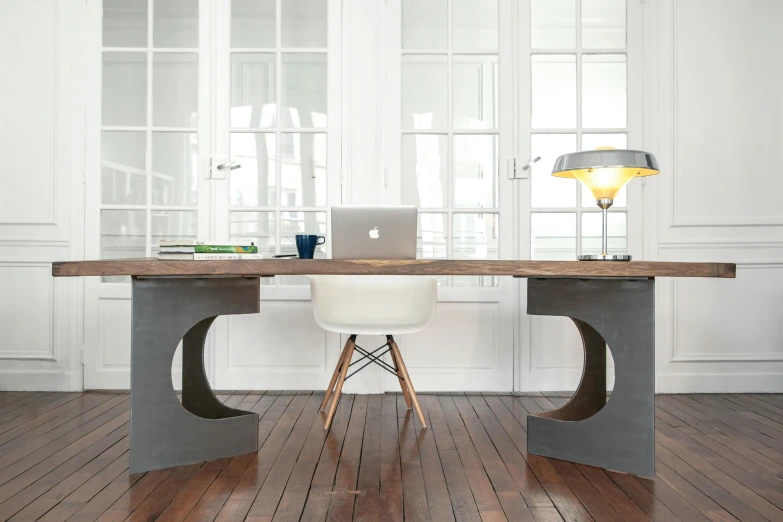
x=605, y=182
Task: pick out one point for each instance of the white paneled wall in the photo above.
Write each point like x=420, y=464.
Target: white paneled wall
x=41, y=144
x=713, y=115
x=715, y=121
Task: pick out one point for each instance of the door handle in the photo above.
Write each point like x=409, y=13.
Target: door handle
x=230, y=165
x=532, y=162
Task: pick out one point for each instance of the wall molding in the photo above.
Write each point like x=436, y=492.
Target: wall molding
x=677, y=220
x=676, y=356
x=729, y=382
x=49, y=355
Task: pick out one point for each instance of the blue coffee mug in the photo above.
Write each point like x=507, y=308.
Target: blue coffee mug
x=306, y=243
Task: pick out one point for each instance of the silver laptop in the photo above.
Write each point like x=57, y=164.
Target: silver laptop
x=374, y=232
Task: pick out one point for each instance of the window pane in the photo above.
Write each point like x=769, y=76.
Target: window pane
x=304, y=23
x=175, y=90
x=258, y=228
x=553, y=91
x=254, y=183
x=547, y=191
x=475, y=237
x=425, y=92
x=431, y=236
x=175, y=23
x=124, y=89
x=475, y=92
x=125, y=23
x=253, y=23
x=123, y=168
x=303, y=169
x=431, y=243
x=592, y=142
x=174, y=168
x=253, y=88
x=424, y=167
x=475, y=24
x=424, y=24
x=553, y=24
x=304, y=90
x=475, y=171
x=553, y=236
x=603, y=91
x=123, y=235
x=168, y=225
x=293, y=223
x=603, y=24
x=616, y=233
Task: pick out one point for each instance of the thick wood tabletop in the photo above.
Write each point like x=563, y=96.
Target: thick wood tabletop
x=271, y=267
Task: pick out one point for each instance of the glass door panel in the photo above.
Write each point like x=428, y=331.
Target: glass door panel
x=579, y=91
x=278, y=125
x=449, y=74
x=278, y=90
x=145, y=181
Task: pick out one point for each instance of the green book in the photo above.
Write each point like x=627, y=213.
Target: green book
x=224, y=249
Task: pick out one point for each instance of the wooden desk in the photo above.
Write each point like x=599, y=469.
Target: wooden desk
x=610, y=302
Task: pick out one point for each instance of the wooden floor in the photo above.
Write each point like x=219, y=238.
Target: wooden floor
x=64, y=456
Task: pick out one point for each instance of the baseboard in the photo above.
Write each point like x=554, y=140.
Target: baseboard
x=40, y=381
x=720, y=383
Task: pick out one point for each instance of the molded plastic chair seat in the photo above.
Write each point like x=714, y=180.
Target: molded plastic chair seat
x=374, y=305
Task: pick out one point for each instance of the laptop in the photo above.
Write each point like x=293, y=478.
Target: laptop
x=374, y=232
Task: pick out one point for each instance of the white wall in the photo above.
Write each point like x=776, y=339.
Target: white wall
x=41, y=145
x=714, y=116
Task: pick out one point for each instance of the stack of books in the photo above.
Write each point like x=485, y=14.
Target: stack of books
x=186, y=250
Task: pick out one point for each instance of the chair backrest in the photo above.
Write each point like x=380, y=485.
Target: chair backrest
x=375, y=305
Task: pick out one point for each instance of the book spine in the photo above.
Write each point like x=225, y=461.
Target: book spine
x=225, y=249
x=223, y=257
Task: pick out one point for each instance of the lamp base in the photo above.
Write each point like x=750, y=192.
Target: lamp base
x=607, y=257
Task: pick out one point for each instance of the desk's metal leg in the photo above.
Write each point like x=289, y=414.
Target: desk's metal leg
x=165, y=433
x=618, y=434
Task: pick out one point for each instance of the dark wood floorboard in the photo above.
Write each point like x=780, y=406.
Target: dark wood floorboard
x=64, y=457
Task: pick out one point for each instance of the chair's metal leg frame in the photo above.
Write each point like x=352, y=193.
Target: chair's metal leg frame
x=341, y=375
x=336, y=373
x=349, y=346
x=403, y=371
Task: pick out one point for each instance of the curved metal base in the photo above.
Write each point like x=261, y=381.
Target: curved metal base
x=618, y=434
x=165, y=432
x=608, y=257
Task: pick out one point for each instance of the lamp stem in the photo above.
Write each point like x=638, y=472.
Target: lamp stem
x=604, y=204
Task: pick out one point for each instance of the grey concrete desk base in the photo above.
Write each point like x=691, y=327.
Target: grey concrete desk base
x=165, y=432
x=619, y=434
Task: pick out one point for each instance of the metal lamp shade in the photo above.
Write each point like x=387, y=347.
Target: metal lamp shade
x=605, y=171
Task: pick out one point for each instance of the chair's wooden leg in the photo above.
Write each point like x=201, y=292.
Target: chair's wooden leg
x=399, y=375
x=340, y=381
x=408, y=382
x=334, y=376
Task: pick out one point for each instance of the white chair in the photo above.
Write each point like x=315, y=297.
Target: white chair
x=373, y=305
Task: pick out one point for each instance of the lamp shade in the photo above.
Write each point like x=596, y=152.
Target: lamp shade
x=605, y=170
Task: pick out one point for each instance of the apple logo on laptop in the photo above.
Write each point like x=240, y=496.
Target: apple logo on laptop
x=374, y=233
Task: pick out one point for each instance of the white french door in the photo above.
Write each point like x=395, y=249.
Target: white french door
x=278, y=119
x=448, y=74
x=148, y=134
x=186, y=85
x=180, y=86
x=579, y=80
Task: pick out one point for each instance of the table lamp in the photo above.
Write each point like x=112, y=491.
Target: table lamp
x=604, y=171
